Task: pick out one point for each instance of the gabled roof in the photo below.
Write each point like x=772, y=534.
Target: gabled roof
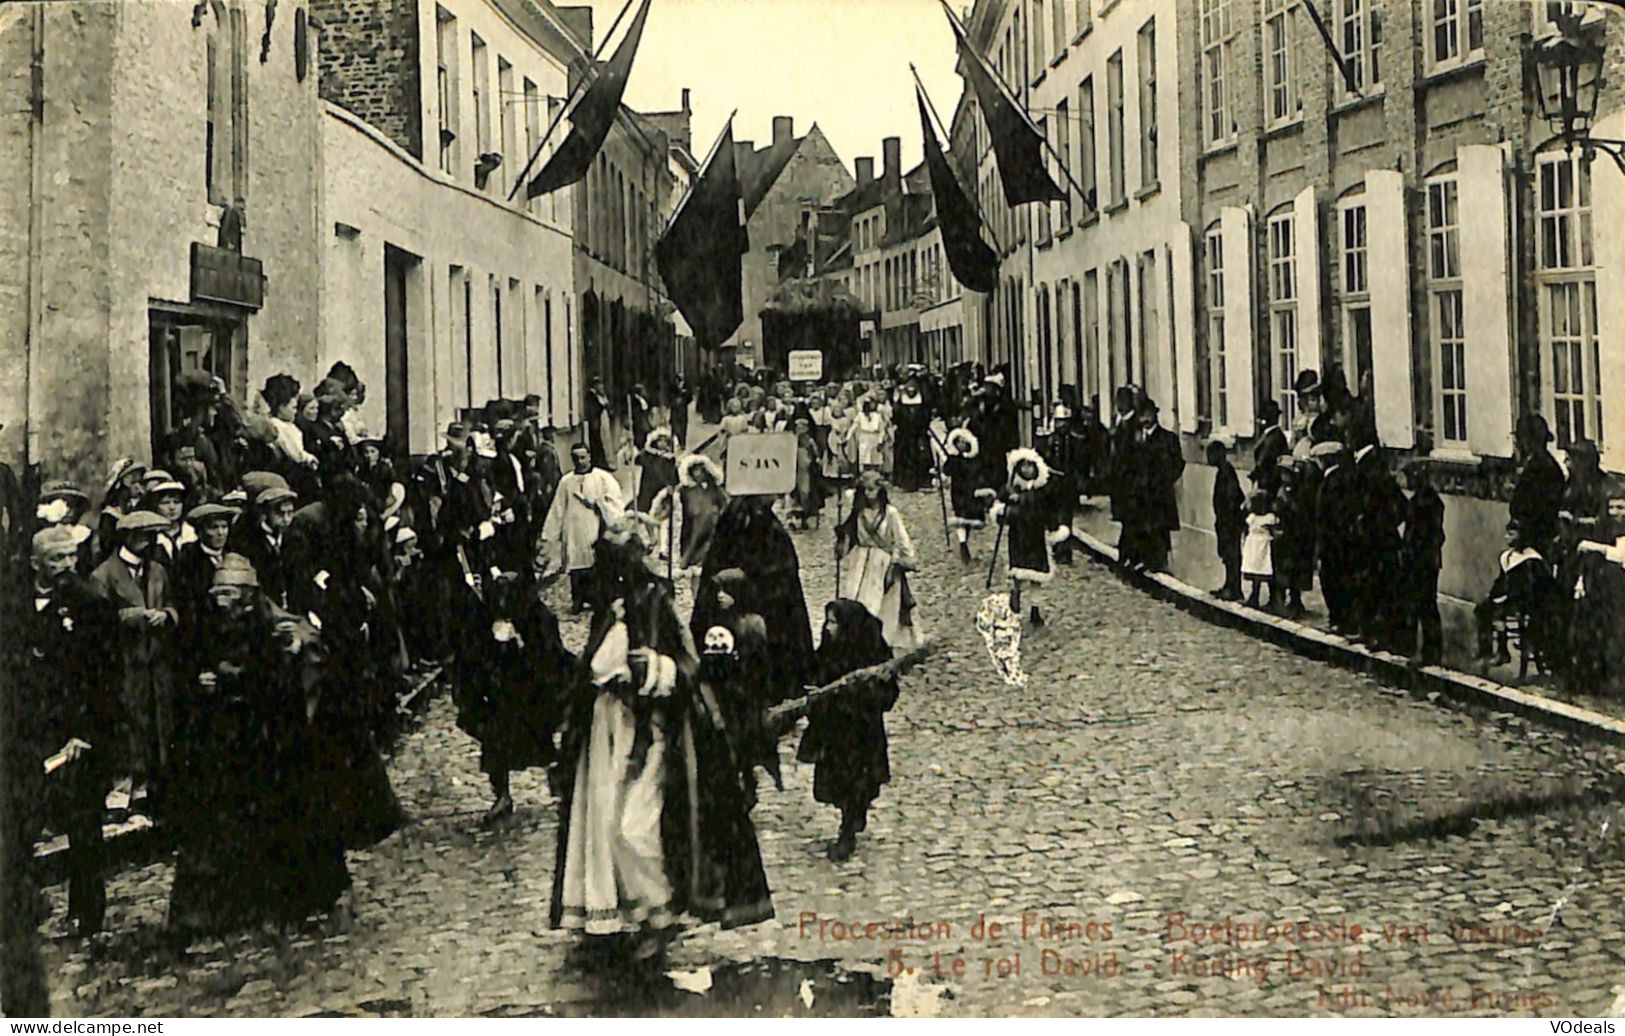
x=759, y=170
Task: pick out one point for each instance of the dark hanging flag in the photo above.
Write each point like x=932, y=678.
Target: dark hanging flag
x=1016, y=142
x=699, y=255
x=593, y=116
x=974, y=264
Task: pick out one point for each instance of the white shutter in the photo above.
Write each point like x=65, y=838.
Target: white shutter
x=1306, y=225
x=1486, y=298
x=1608, y=210
x=1388, y=272
x=1182, y=320
x=1236, y=226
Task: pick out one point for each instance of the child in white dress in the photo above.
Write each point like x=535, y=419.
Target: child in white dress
x=1257, y=563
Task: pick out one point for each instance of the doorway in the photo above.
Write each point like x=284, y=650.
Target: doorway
x=398, y=268
x=183, y=338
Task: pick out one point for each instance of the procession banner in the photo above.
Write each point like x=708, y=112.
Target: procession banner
x=806, y=365
x=764, y=463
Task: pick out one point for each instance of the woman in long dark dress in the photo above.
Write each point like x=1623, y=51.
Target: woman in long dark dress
x=256, y=842
x=846, y=733
x=509, y=682
x=348, y=596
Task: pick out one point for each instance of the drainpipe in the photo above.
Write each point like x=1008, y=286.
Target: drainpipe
x=34, y=304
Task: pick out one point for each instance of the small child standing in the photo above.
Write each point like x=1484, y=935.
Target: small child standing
x=1256, y=560
x=1229, y=519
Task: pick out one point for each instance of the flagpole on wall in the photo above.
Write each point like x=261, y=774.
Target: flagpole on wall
x=587, y=77
x=948, y=138
x=697, y=177
x=1010, y=94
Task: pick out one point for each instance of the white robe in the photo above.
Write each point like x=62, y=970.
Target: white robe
x=864, y=569
x=573, y=526
x=614, y=864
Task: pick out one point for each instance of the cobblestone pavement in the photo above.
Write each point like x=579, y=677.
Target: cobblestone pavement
x=1169, y=818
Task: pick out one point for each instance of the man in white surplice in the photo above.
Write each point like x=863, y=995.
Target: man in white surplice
x=587, y=500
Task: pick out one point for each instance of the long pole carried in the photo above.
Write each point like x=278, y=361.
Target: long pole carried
x=553, y=124
x=937, y=456
x=993, y=561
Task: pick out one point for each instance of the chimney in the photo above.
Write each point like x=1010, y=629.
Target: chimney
x=784, y=128
x=865, y=170
x=685, y=99
x=892, y=148
x=749, y=146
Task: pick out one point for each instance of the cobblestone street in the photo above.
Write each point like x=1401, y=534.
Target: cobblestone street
x=1134, y=818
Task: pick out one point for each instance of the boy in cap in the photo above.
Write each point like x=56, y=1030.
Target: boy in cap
x=135, y=582
x=261, y=539
x=60, y=738
x=196, y=563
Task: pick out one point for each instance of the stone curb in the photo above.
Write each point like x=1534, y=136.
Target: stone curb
x=1385, y=665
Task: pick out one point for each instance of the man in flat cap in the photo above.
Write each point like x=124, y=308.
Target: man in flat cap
x=61, y=739
x=135, y=582
x=260, y=537
x=197, y=562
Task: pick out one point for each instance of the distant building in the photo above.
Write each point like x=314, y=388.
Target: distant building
x=443, y=293
x=121, y=152
x=784, y=185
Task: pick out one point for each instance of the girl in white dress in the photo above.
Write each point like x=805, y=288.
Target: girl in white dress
x=1257, y=550
x=876, y=557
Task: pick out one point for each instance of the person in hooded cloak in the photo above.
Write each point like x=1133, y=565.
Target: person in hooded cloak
x=846, y=732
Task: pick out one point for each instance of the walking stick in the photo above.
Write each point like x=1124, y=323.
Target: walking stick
x=839, y=493
x=947, y=540
x=994, y=560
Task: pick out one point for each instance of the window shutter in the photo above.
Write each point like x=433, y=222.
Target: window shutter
x=1608, y=210
x=1306, y=220
x=1388, y=268
x=1486, y=297
x=1183, y=324
x=1236, y=224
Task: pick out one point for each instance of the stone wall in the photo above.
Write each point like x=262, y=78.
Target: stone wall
x=370, y=65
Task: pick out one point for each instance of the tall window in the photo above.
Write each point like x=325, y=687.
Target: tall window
x=1114, y=123
x=214, y=120
x=1359, y=38
x=1086, y=148
x=1058, y=38
x=1218, y=56
x=1456, y=31
x=1283, y=311
x=1063, y=147
x=1091, y=327
x=446, y=87
x=533, y=123
x=1445, y=324
x=479, y=73
x=1280, y=61
x=1148, y=103
x=1218, y=378
x=1567, y=290
x=1356, y=293
x=1039, y=55
x=1085, y=15
x=507, y=135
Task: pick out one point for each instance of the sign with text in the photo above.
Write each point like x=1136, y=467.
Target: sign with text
x=806, y=365
x=761, y=463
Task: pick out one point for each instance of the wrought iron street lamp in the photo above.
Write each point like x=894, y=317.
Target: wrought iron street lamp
x=1568, y=74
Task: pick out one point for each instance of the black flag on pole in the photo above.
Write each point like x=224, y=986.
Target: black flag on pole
x=592, y=118
x=974, y=264
x=1016, y=141
x=700, y=252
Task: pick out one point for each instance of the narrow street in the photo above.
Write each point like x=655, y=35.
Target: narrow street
x=1170, y=817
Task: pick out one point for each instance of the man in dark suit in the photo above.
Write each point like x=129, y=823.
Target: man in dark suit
x=261, y=537
x=1537, y=496
x=137, y=587
x=56, y=632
